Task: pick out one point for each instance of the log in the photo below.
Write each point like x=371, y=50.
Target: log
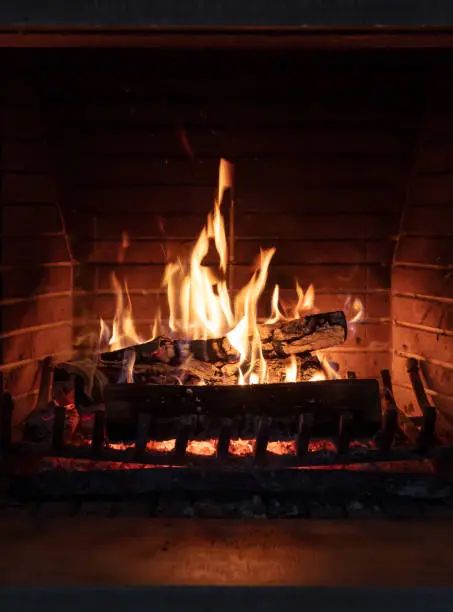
x=280, y=340
x=193, y=371
x=227, y=373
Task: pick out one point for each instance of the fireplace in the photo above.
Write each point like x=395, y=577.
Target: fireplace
x=342, y=161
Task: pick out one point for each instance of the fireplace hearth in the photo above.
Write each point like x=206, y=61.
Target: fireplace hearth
x=343, y=162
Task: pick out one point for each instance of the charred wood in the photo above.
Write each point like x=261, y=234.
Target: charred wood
x=280, y=340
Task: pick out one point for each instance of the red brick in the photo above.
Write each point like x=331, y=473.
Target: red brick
x=376, y=305
x=31, y=155
x=430, y=220
x=23, y=405
x=316, y=226
x=143, y=277
x=437, y=283
x=28, y=187
x=369, y=335
x=353, y=197
x=344, y=278
x=31, y=313
x=416, y=249
x=35, y=281
x=321, y=251
x=368, y=119
x=91, y=307
x=435, y=377
x=422, y=343
x=37, y=344
x=22, y=379
x=34, y=250
x=407, y=402
x=143, y=251
x=22, y=122
x=29, y=219
x=364, y=364
x=437, y=156
x=405, y=399
x=241, y=141
x=423, y=312
x=324, y=278
x=144, y=171
x=144, y=199
x=151, y=225
x=140, y=170
x=433, y=189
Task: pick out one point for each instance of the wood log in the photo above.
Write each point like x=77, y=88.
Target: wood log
x=193, y=370
x=280, y=340
x=227, y=373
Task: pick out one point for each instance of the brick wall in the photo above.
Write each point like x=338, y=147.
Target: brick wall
x=422, y=279
x=325, y=152
x=322, y=146
x=36, y=272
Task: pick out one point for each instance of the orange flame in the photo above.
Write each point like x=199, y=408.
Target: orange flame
x=305, y=301
x=357, y=306
x=200, y=304
x=291, y=370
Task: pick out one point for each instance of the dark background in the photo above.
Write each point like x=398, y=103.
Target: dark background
x=234, y=13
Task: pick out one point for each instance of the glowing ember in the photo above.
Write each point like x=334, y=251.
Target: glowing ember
x=285, y=447
x=202, y=447
x=238, y=447
x=241, y=448
x=160, y=446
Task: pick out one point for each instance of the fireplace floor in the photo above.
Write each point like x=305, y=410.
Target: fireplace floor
x=90, y=550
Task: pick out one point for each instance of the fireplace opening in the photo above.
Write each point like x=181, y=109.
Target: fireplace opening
x=113, y=162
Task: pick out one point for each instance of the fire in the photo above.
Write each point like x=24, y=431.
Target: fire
x=291, y=370
x=305, y=301
x=201, y=305
x=359, y=310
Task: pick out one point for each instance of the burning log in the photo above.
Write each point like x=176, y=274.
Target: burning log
x=280, y=340
x=227, y=373
x=193, y=371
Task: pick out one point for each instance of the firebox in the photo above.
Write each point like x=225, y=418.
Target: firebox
x=336, y=162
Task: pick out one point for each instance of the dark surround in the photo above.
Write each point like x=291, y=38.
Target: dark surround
x=226, y=13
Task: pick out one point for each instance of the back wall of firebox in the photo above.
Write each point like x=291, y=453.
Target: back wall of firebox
x=344, y=163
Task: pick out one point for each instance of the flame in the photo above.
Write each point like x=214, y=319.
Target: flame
x=318, y=376
x=357, y=306
x=123, y=332
x=305, y=301
x=291, y=370
x=201, y=305
x=127, y=371
x=329, y=372
x=276, y=314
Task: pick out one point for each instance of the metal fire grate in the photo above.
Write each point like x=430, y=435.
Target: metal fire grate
x=343, y=412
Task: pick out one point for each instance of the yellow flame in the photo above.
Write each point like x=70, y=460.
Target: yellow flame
x=127, y=372
x=329, y=371
x=305, y=301
x=123, y=328
x=358, y=308
x=276, y=315
x=291, y=370
x=317, y=377
x=201, y=306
